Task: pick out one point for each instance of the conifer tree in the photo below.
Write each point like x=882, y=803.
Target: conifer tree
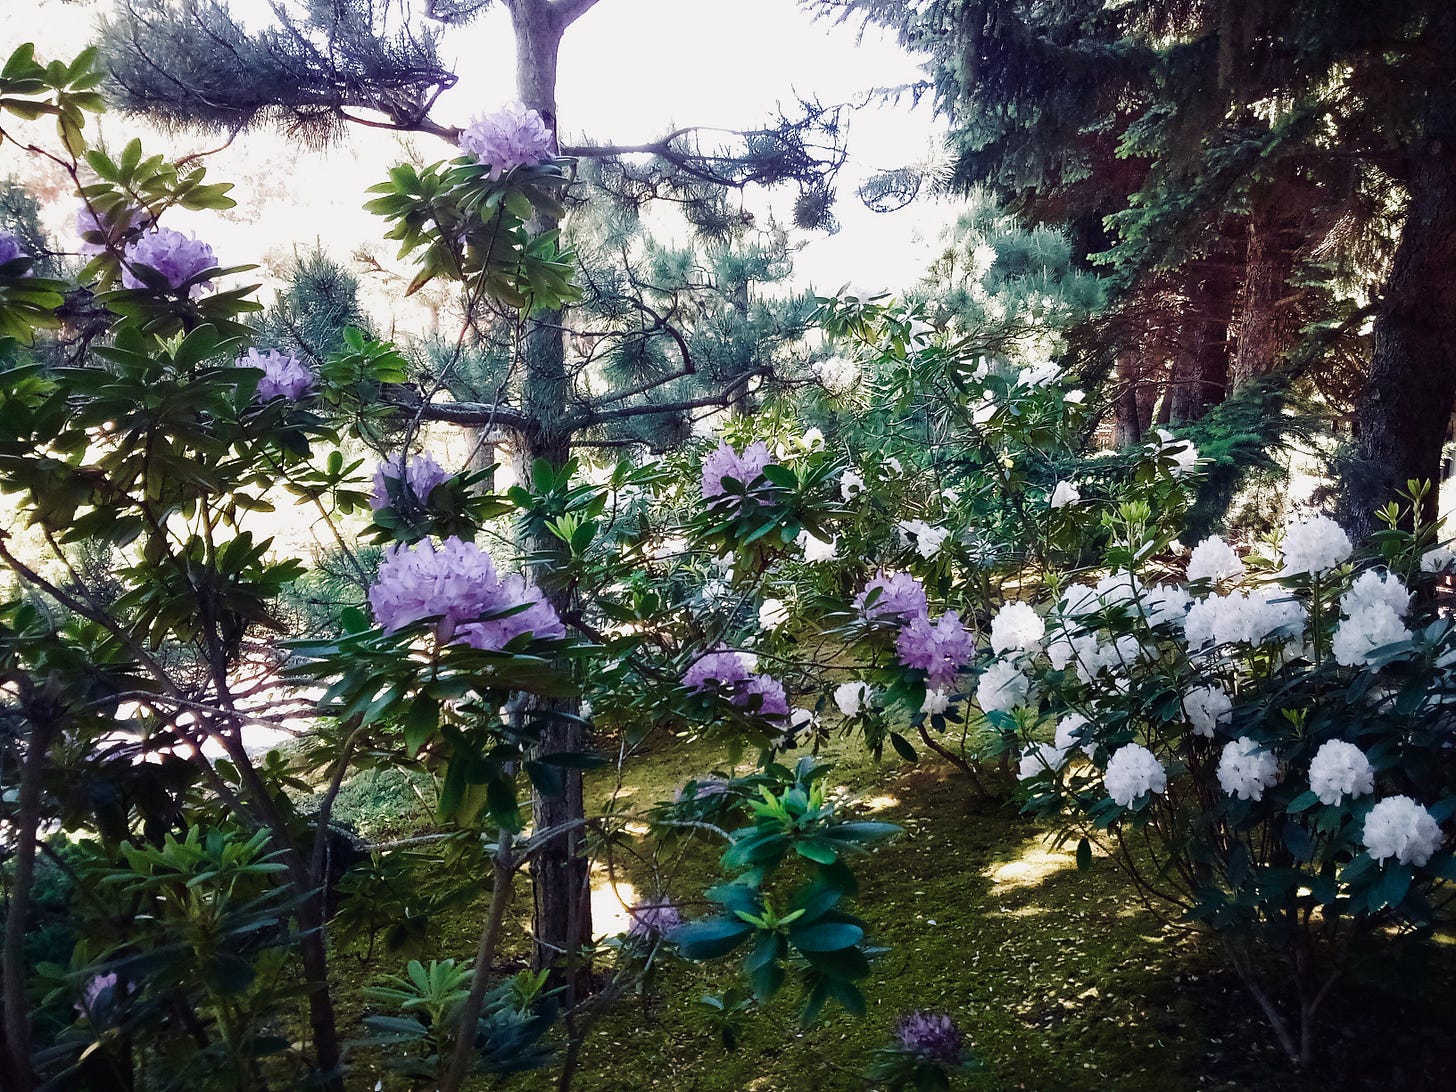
x=327, y=64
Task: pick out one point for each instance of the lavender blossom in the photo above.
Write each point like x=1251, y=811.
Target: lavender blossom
x=651, y=920
x=419, y=476
x=283, y=375
x=177, y=258
x=940, y=649
x=725, y=463
x=511, y=137
x=457, y=584
x=775, y=702
x=10, y=247
x=932, y=1036
x=901, y=598
x=720, y=666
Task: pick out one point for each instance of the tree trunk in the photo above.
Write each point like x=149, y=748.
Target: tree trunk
x=1266, y=324
x=560, y=872
x=1203, y=375
x=1127, y=425
x=1402, y=416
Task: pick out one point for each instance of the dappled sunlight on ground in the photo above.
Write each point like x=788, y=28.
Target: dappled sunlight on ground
x=609, y=904
x=879, y=803
x=1035, y=861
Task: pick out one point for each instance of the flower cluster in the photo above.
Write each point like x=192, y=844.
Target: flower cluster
x=457, y=585
x=651, y=920
x=175, y=257
x=1207, y=709
x=1373, y=611
x=1017, y=627
x=1132, y=772
x=1315, y=546
x=283, y=375
x=725, y=464
x=926, y=539
x=419, y=476
x=1246, y=769
x=891, y=597
x=852, y=697
x=1214, y=559
x=939, y=648
x=818, y=549
x=1253, y=617
x=732, y=673
x=932, y=1036
x=1340, y=769
x=1399, y=827
x=10, y=247
x=511, y=137
x=1064, y=494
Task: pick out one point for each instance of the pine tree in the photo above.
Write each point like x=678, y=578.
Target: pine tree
x=327, y=64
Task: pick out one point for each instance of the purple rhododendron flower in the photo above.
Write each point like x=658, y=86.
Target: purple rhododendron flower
x=176, y=257
x=651, y=920
x=511, y=137
x=933, y=1036
x=940, y=649
x=901, y=598
x=420, y=476
x=721, y=666
x=457, y=583
x=98, y=996
x=283, y=375
x=775, y=701
x=727, y=463
x=10, y=247
x=538, y=618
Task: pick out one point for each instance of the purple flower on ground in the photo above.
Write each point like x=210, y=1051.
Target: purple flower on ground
x=419, y=475
x=746, y=469
x=901, y=598
x=10, y=247
x=457, y=584
x=651, y=920
x=176, y=257
x=933, y=1036
x=940, y=649
x=283, y=375
x=511, y=137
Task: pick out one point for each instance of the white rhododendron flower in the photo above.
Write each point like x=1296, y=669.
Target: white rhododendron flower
x=1214, y=559
x=851, y=697
x=1338, y=770
x=1166, y=604
x=1002, y=686
x=936, y=701
x=1245, y=770
x=893, y=463
x=1064, y=494
x=1040, y=758
x=1253, y=617
x=1374, y=589
x=818, y=549
x=1016, y=627
x=1315, y=546
x=1399, y=827
x=772, y=614
x=1439, y=560
x=1206, y=708
x=801, y=720
x=812, y=439
x=851, y=485
x=1358, y=637
x=1182, y=452
x=838, y=375
x=1133, y=772
x=1038, y=375
x=927, y=539
x=1119, y=589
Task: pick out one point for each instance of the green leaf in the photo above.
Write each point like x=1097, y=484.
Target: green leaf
x=711, y=937
x=826, y=937
x=1084, y=855
x=902, y=747
x=420, y=724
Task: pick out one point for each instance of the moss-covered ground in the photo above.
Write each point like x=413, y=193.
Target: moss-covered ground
x=1061, y=979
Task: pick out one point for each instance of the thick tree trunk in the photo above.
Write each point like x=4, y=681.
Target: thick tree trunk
x=560, y=873
x=1127, y=425
x=1267, y=321
x=1401, y=419
x=1202, y=377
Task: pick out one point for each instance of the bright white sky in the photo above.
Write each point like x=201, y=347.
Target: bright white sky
x=630, y=70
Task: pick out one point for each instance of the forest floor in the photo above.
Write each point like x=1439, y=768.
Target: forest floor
x=1061, y=979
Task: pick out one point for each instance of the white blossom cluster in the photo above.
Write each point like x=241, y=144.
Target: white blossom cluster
x=926, y=539
x=1132, y=772
x=1064, y=494
x=1401, y=828
x=1214, y=559
x=1002, y=687
x=1315, y=546
x=1246, y=769
x=1207, y=708
x=1372, y=617
x=1016, y=627
x=852, y=697
x=1252, y=617
x=1338, y=770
